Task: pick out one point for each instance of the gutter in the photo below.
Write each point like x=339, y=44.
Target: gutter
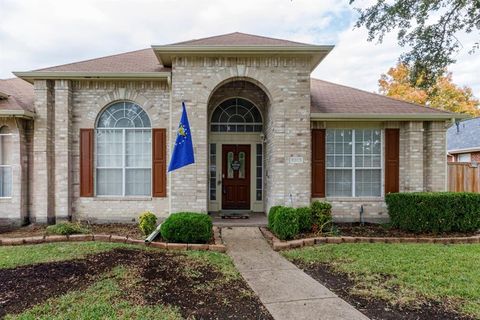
x=17, y=114
x=391, y=117
x=32, y=75
x=245, y=49
x=464, y=150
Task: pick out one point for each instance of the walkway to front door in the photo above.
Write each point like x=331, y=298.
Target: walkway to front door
x=286, y=291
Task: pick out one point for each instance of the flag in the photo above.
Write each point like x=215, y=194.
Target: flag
x=182, y=154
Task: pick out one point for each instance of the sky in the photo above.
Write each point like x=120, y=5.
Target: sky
x=36, y=34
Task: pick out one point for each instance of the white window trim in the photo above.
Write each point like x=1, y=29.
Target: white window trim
x=469, y=156
x=8, y=166
x=353, y=167
x=123, y=167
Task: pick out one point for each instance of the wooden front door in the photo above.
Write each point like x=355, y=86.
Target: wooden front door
x=236, y=177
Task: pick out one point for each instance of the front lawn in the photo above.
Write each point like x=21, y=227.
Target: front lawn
x=403, y=275
x=95, y=280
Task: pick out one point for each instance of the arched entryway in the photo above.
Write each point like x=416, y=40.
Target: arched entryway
x=236, y=156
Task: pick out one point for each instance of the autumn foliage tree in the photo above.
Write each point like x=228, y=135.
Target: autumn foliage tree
x=443, y=94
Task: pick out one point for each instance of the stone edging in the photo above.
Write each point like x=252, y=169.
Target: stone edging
x=278, y=244
x=218, y=245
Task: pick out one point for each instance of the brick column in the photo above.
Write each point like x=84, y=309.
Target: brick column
x=435, y=161
x=43, y=158
x=412, y=168
x=63, y=145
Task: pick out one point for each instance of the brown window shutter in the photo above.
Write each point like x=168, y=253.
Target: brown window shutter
x=159, y=144
x=318, y=163
x=86, y=162
x=392, y=162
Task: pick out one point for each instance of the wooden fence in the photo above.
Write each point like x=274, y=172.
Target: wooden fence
x=463, y=177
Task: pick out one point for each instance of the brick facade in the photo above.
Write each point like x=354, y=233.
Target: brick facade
x=46, y=185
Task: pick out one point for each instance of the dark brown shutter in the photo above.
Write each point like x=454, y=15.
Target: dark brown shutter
x=159, y=143
x=86, y=162
x=392, y=163
x=318, y=163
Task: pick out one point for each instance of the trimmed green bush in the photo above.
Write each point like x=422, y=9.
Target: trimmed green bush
x=434, y=211
x=187, y=227
x=304, y=219
x=321, y=215
x=147, y=222
x=66, y=228
x=271, y=216
x=285, y=225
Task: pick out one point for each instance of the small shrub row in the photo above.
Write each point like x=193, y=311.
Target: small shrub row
x=434, y=211
x=288, y=222
x=67, y=228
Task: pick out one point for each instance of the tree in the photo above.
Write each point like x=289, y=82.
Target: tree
x=443, y=94
x=429, y=27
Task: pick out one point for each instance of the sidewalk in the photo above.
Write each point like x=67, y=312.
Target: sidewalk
x=286, y=291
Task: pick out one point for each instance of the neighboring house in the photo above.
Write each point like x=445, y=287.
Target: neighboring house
x=463, y=141
x=92, y=139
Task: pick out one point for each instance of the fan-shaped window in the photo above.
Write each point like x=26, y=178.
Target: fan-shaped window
x=6, y=153
x=123, y=151
x=236, y=115
x=124, y=115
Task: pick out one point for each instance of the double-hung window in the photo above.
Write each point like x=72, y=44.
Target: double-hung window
x=354, y=162
x=6, y=149
x=123, y=151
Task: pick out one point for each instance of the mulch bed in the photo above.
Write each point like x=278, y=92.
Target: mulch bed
x=341, y=284
x=163, y=281
x=378, y=230
x=130, y=230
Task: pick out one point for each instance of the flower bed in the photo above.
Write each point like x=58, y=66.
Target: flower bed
x=278, y=244
x=216, y=246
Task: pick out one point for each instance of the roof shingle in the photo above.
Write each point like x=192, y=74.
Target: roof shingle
x=239, y=39
x=466, y=136
x=20, y=95
x=135, y=61
x=327, y=97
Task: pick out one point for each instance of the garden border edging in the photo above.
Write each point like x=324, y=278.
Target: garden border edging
x=279, y=245
x=218, y=245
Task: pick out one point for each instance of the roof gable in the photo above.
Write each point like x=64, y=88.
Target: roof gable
x=239, y=39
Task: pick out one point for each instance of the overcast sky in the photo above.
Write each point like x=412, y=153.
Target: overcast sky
x=42, y=33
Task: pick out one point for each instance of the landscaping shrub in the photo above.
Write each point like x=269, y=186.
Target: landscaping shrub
x=271, y=216
x=285, y=225
x=147, y=222
x=321, y=215
x=304, y=216
x=66, y=228
x=187, y=227
x=434, y=211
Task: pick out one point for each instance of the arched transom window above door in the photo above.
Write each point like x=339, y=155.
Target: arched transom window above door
x=236, y=115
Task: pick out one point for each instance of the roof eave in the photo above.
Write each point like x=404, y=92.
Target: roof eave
x=32, y=75
x=376, y=116
x=164, y=53
x=464, y=150
x=17, y=114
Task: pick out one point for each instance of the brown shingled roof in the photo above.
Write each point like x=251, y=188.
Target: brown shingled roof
x=327, y=97
x=19, y=95
x=135, y=61
x=238, y=39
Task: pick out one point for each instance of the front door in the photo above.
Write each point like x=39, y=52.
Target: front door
x=236, y=177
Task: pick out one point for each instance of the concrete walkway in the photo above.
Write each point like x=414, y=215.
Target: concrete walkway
x=286, y=291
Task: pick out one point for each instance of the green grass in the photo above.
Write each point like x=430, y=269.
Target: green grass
x=14, y=256
x=106, y=299
x=219, y=261
x=406, y=273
